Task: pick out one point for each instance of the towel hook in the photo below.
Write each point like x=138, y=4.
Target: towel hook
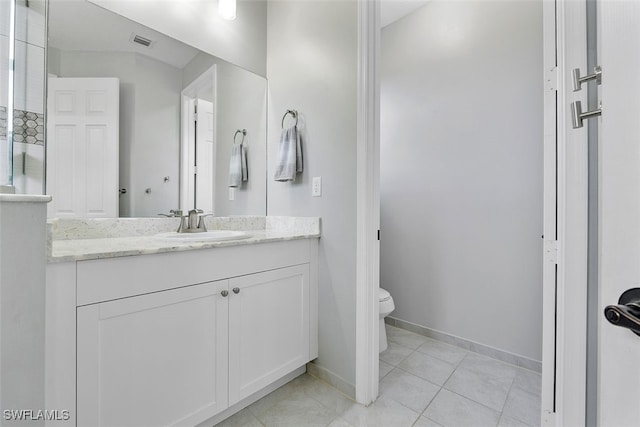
x=243, y=132
x=294, y=113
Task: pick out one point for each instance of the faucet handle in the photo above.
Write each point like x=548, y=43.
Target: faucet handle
x=201, y=224
x=176, y=212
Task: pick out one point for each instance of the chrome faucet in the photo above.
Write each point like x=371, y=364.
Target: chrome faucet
x=172, y=214
x=193, y=218
x=193, y=222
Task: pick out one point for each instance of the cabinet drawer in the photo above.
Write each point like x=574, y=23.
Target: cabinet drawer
x=107, y=279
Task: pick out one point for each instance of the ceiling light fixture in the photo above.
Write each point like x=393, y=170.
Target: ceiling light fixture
x=227, y=9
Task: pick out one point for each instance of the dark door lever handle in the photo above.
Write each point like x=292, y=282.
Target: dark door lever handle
x=627, y=313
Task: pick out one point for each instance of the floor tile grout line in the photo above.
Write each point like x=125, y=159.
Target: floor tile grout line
x=405, y=406
x=417, y=376
x=468, y=350
x=481, y=404
x=508, y=393
x=505, y=403
x=432, y=400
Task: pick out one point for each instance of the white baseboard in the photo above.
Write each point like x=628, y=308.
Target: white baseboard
x=504, y=356
x=253, y=398
x=332, y=379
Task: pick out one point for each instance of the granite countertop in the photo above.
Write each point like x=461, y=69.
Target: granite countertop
x=75, y=240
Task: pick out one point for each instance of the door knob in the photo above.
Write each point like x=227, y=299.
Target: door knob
x=224, y=293
x=123, y=191
x=236, y=290
x=627, y=312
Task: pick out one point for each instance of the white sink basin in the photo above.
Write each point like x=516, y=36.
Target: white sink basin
x=207, y=236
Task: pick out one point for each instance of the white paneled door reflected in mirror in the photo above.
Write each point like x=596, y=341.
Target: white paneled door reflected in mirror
x=22, y=76
x=140, y=124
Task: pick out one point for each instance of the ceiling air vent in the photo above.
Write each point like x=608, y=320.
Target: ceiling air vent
x=141, y=40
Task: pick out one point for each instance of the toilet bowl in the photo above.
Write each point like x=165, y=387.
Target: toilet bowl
x=386, y=307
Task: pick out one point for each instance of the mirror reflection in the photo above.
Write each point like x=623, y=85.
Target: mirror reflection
x=22, y=64
x=140, y=124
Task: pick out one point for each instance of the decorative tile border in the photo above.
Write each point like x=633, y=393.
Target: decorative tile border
x=3, y=123
x=28, y=127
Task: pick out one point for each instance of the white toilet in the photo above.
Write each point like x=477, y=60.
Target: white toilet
x=386, y=307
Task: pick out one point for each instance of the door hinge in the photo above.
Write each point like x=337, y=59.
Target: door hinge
x=551, y=251
x=378, y=234
x=551, y=79
x=195, y=170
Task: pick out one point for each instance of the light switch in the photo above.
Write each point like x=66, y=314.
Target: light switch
x=316, y=186
x=232, y=193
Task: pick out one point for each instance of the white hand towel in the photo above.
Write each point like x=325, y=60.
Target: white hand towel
x=238, y=171
x=289, y=160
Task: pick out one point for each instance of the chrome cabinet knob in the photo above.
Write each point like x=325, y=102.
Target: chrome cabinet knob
x=224, y=293
x=236, y=290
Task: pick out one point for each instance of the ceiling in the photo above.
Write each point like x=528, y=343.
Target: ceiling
x=392, y=10
x=77, y=25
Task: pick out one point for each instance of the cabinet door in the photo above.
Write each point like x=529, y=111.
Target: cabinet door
x=155, y=359
x=268, y=328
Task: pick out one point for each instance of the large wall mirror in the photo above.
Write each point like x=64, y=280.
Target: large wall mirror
x=137, y=123
x=140, y=124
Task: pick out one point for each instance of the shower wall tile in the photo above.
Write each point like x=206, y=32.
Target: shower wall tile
x=3, y=123
x=28, y=168
x=4, y=18
x=29, y=77
x=4, y=70
x=30, y=22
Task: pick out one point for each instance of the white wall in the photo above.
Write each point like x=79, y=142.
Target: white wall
x=149, y=125
x=22, y=306
x=312, y=67
x=241, y=42
x=461, y=171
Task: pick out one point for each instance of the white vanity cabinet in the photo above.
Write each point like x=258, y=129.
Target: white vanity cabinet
x=268, y=328
x=176, y=338
x=153, y=359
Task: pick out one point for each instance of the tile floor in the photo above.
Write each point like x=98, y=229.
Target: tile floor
x=423, y=383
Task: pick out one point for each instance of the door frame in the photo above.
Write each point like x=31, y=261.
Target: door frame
x=565, y=213
x=368, y=202
x=187, y=132
x=565, y=218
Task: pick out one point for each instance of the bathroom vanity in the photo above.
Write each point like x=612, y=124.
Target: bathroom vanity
x=141, y=331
